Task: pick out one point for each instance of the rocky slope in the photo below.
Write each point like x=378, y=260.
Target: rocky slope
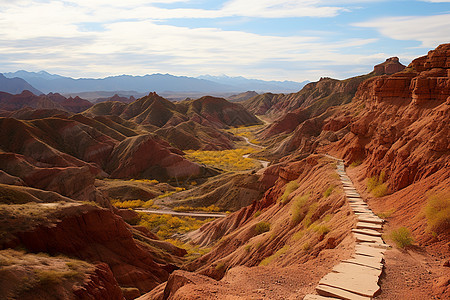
x=93, y=235
x=324, y=93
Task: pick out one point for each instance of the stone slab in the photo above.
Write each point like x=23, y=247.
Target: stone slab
x=374, y=220
x=369, y=251
x=355, y=283
x=367, y=238
x=317, y=297
x=376, y=245
x=329, y=291
x=367, y=232
x=365, y=225
x=357, y=269
x=368, y=261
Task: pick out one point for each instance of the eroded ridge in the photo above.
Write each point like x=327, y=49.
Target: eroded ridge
x=358, y=276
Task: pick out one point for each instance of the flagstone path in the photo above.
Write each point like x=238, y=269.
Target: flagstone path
x=357, y=277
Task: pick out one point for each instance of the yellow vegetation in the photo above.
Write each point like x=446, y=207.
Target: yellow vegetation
x=437, y=212
x=153, y=181
x=274, y=256
x=230, y=160
x=166, y=225
x=290, y=187
x=262, y=227
x=376, y=185
x=299, y=209
x=402, y=237
x=211, y=208
x=133, y=203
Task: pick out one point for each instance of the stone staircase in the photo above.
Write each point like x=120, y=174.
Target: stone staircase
x=356, y=278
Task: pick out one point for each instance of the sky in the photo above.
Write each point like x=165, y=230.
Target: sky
x=264, y=39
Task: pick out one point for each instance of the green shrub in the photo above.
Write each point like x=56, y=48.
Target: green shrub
x=248, y=248
x=290, y=187
x=257, y=214
x=262, y=227
x=299, y=209
x=437, y=212
x=402, y=237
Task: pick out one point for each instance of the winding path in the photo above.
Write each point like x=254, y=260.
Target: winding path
x=357, y=277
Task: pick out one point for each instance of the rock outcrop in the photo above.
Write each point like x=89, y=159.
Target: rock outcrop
x=402, y=130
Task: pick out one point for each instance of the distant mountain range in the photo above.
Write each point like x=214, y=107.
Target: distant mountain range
x=160, y=83
x=16, y=85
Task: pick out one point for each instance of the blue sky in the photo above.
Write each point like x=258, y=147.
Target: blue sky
x=263, y=39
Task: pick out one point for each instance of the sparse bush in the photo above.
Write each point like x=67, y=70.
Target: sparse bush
x=220, y=266
x=299, y=209
x=257, y=214
x=306, y=246
x=321, y=229
x=402, y=237
x=262, y=227
x=274, y=256
x=437, y=212
x=290, y=187
x=376, y=185
x=248, y=248
x=328, y=192
x=386, y=214
x=355, y=163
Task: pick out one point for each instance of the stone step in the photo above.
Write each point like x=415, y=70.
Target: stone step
x=367, y=238
x=365, y=225
x=382, y=246
x=368, y=261
x=329, y=291
x=368, y=219
x=369, y=251
x=317, y=297
x=357, y=269
x=355, y=283
x=367, y=232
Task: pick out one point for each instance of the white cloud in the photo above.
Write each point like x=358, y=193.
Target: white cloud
x=429, y=30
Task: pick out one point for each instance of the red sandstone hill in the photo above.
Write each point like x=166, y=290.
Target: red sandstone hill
x=11, y=102
x=316, y=96
x=157, y=111
x=91, y=234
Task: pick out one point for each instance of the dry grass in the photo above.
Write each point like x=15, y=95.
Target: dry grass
x=165, y=226
x=402, y=237
x=290, y=187
x=299, y=209
x=211, y=208
x=262, y=227
x=376, y=185
x=437, y=212
x=266, y=261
